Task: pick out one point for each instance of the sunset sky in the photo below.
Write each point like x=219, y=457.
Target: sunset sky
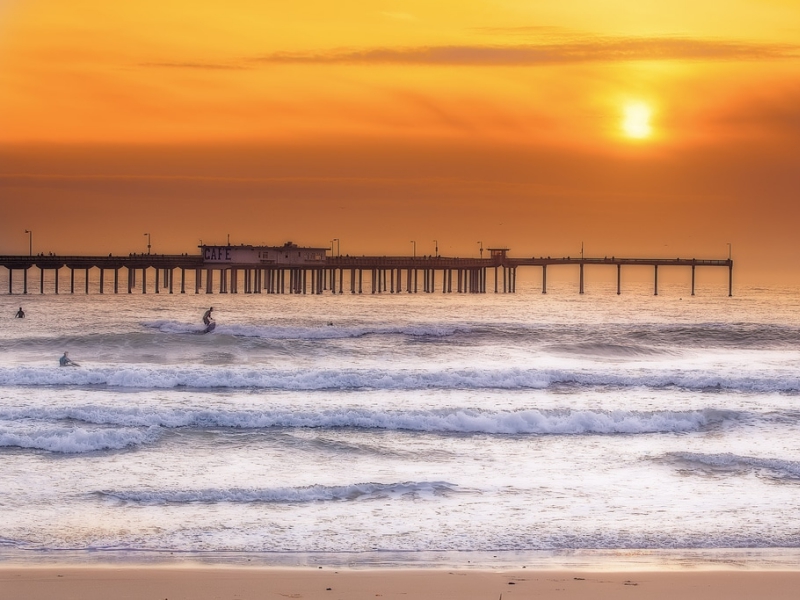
x=638, y=127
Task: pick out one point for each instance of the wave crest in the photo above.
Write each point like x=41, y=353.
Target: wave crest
x=734, y=463
x=75, y=440
x=530, y=421
x=314, y=493
x=255, y=377
x=310, y=333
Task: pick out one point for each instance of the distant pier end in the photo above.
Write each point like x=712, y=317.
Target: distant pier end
x=296, y=269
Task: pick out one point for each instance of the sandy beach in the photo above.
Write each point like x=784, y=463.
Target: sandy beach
x=225, y=583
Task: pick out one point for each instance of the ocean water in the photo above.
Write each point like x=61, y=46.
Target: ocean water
x=401, y=428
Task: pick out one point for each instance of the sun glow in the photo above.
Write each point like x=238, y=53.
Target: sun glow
x=636, y=120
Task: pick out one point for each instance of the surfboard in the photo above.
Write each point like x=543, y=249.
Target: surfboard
x=211, y=326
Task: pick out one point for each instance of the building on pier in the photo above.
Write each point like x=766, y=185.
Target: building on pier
x=289, y=254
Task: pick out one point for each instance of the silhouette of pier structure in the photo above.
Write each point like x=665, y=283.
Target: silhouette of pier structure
x=291, y=269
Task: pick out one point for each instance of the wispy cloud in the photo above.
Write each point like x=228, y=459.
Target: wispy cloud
x=197, y=65
x=595, y=50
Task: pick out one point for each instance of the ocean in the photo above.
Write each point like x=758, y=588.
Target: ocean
x=402, y=428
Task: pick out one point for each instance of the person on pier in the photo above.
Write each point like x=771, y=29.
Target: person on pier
x=20, y=314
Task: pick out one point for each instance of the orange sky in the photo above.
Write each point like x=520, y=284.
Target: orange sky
x=386, y=121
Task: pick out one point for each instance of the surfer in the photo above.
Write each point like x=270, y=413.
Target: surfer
x=210, y=327
x=20, y=314
x=208, y=321
x=66, y=361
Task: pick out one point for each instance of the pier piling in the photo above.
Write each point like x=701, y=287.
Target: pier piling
x=655, y=280
x=387, y=274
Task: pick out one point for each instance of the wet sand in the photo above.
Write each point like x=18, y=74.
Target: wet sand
x=246, y=583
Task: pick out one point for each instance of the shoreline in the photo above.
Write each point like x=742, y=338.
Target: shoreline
x=618, y=560
x=241, y=583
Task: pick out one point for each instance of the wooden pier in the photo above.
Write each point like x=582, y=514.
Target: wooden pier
x=315, y=275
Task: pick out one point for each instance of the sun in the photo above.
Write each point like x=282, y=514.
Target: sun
x=636, y=120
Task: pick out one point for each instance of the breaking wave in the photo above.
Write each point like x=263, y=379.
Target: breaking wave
x=250, y=377
x=532, y=421
x=323, y=332
x=734, y=463
x=314, y=493
x=75, y=440
x=734, y=335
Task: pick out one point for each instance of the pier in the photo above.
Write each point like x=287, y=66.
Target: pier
x=290, y=269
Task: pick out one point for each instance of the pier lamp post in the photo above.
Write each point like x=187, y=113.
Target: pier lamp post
x=338, y=247
x=481, y=245
x=30, y=242
x=729, y=250
x=436, y=243
x=414, y=249
x=148, y=242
